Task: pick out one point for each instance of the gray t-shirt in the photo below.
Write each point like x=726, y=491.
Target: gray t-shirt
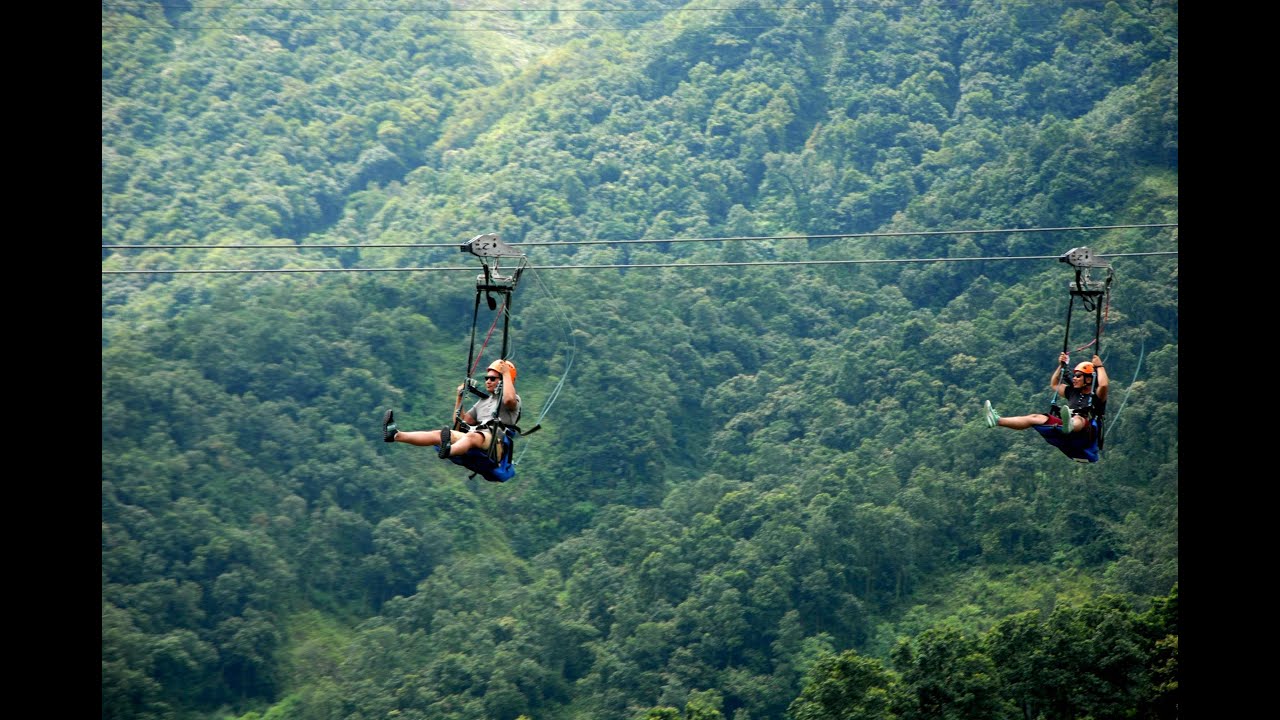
x=484, y=410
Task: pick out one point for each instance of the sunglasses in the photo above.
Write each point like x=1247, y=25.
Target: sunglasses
x=487, y=378
x=1078, y=374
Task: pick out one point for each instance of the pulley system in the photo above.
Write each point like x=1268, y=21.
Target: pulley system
x=1093, y=293
x=492, y=251
x=1085, y=286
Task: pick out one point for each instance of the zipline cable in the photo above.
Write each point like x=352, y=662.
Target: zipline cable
x=447, y=10
x=650, y=241
x=756, y=263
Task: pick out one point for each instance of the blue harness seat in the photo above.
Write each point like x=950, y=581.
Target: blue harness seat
x=1080, y=446
x=479, y=462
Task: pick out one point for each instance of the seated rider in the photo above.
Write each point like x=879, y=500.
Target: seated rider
x=1086, y=398
x=479, y=430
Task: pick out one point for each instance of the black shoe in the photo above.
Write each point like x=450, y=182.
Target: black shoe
x=388, y=427
x=444, y=444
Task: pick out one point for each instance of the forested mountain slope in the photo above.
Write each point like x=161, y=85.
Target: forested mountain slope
x=765, y=489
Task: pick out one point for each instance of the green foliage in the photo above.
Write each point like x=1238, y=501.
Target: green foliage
x=848, y=687
x=1100, y=659
x=756, y=481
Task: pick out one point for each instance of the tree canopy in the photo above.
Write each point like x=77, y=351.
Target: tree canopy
x=764, y=490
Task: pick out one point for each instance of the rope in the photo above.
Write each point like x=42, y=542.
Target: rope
x=573, y=352
x=1141, y=353
x=483, y=345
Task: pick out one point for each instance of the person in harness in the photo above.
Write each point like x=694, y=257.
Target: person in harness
x=1086, y=399
x=475, y=428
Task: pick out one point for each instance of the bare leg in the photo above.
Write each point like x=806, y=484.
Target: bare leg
x=1021, y=422
x=463, y=443
x=419, y=437
x=460, y=443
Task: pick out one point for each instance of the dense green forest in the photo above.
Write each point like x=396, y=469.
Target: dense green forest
x=765, y=488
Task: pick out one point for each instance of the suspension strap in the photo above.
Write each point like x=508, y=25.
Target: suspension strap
x=506, y=322
x=471, y=352
x=1062, y=367
x=1100, y=319
x=471, y=349
x=1097, y=331
x=471, y=367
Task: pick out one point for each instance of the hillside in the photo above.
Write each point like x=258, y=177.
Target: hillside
x=754, y=477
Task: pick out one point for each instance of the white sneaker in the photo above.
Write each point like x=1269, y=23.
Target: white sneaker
x=1064, y=413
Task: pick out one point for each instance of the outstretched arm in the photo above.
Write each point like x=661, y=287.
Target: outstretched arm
x=1100, y=375
x=508, y=387
x=1055, y=381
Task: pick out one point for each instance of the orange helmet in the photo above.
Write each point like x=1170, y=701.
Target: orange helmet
x=496, y=366
x=1086, y=368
